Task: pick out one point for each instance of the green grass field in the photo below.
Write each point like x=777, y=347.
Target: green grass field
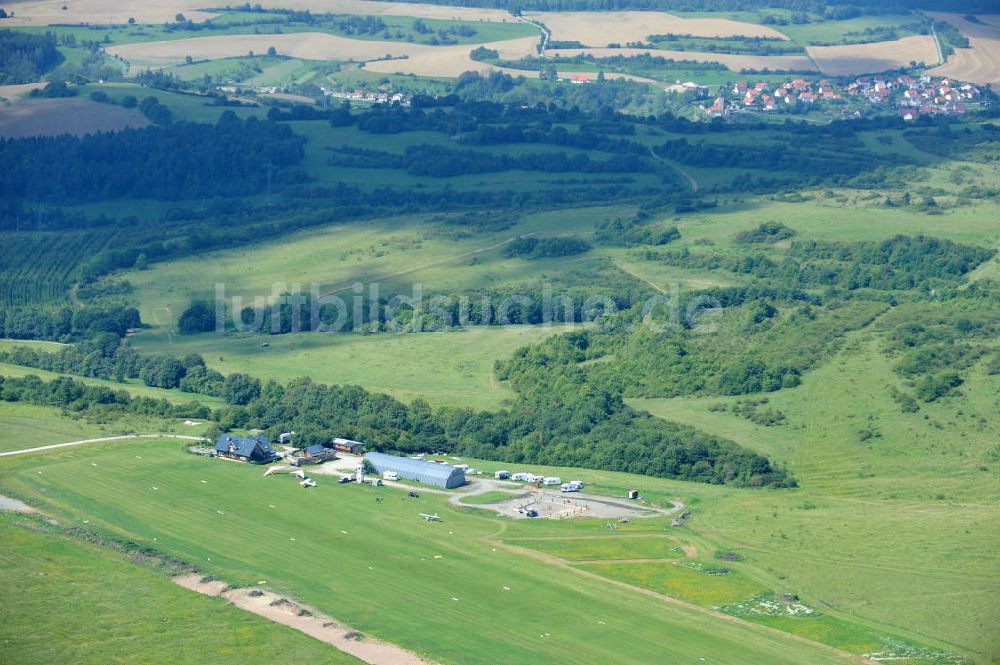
x=447, y=368
x=839, y=32
x=27, y=426
x=65, y=601
x=426, y=586
x=594, y=549
x=679, y=581
x=873, y=520
x=488, y=497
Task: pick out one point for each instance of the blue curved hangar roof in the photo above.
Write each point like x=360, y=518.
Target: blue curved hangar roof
x=442, y=475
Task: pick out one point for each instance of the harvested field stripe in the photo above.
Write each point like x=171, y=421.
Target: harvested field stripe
x=307, y=620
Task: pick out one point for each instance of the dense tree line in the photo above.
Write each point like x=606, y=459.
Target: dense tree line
x=898, y=264
x=182, y=160
x=24, y=57
x=544, y=248
x=443, y=162
x=76, y=397
x=65, y=324
x=588, y=427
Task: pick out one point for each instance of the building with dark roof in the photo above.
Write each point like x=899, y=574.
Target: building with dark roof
x=431, y=473
x=314, y=454
x=255, y=450
x=348, y=446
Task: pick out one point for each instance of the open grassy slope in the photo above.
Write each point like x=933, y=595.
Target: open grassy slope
x=877, y=521
x=425, y=586
x=64, y=600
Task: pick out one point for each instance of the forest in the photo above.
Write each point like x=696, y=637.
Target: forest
x=180, y=160
x=26, y=57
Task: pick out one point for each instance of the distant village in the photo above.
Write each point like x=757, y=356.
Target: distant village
x=909, y=96
x=370, y=97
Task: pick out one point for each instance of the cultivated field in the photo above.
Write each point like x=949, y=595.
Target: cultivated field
x=305, y=45
x=981, y=62
x=450, y=61
x=12, y=93
x=419, y=59
x=51, y=117
x=849, y=59
x=796, y=63
x=601, y=28
x=46, y=12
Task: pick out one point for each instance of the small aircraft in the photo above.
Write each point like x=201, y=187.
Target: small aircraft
x=275, y=469
x=307, y=482
x=431, y=518
x=299, y=473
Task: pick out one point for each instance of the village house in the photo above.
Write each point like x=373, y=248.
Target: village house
x=253, y=450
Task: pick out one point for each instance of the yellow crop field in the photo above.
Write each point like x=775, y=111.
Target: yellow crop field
x=981, y=62
x=848, y=59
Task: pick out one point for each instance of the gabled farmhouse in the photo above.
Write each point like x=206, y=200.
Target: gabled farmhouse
x=254, y=450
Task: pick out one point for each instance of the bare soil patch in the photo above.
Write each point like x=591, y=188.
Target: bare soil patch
x=981, y=62
x=797, y=63
x=9, y=505
x=602, y=28
x=53, y=117
x=13, y=93
x=305, y=619
x=849, y=59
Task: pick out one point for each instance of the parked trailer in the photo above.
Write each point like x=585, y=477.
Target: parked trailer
x=521, y=477
x=551, y=480
x=390, y=475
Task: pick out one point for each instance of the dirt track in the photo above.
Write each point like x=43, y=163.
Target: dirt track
x=304, y=619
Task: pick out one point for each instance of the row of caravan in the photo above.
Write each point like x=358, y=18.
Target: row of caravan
x=573, y=486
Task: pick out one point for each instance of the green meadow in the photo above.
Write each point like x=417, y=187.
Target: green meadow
x=453, y=368
x=377, y=566
x=594, y=549
x=63, y=601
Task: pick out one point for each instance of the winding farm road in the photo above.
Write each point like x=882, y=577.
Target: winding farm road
x=100, y=440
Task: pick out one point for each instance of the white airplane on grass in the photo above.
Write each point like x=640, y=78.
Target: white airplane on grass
x=431, y=518
x=307, y=482
x=276, y=469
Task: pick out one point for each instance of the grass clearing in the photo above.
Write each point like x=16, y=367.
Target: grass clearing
x=447, y=368
x=28, y=426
